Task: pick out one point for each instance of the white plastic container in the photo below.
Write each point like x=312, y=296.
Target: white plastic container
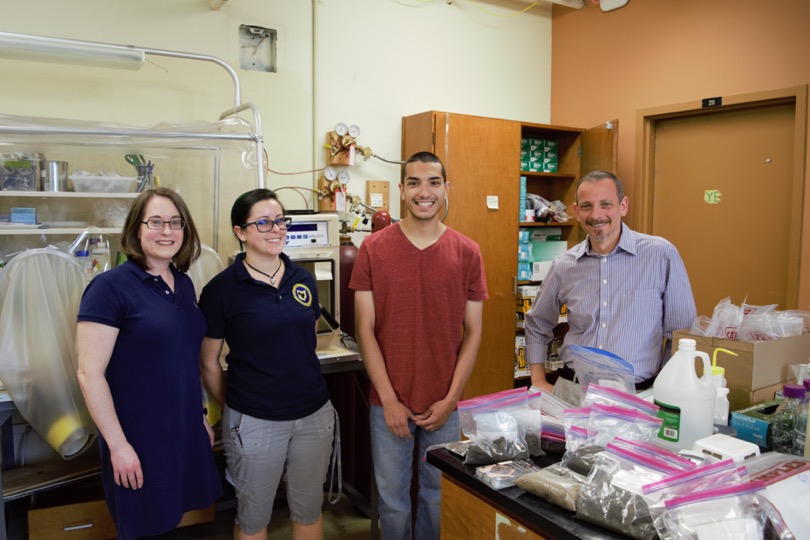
x=721, y=404
x=686, y=401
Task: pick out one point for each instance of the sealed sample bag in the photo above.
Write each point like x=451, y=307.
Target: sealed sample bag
x=595, y=366
x=733, y=512
x=495, y=432
x=612, y=496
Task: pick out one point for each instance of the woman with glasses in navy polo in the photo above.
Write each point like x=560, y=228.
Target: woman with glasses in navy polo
x=277, y=418
x=138, y=341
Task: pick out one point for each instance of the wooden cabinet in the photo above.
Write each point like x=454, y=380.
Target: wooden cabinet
x=482, y=159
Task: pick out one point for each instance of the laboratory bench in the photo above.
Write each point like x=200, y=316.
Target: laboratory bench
x=471, y=510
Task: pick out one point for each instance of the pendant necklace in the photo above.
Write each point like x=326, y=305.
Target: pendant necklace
x=272, y=277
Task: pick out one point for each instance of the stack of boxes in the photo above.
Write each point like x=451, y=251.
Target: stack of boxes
x=522, y=205
x=538, y=155
x=525, y=297
x=546, y=245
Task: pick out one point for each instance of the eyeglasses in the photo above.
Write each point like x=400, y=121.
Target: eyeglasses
x=158, y=224
x=266, y=225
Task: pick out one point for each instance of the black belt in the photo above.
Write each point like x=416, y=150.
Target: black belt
x=568, y=374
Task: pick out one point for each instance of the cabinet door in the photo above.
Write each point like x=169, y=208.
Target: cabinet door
x=600, y=151
x=482, y=159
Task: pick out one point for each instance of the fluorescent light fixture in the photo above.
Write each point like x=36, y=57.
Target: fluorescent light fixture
x=69, y=51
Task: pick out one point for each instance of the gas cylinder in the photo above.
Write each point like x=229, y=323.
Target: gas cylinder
x=686, y=401
x=380, y=220
x=348, y=253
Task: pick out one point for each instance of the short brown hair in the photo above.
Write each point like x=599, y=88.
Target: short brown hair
x=131, y=244
x=424, y=157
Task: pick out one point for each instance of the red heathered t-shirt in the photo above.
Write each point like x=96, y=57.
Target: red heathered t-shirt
x=419, y=299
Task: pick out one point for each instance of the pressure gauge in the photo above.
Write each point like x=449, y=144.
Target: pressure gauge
x=330, y=174
x=354, y=131
x=341, y=129
x=343, y=177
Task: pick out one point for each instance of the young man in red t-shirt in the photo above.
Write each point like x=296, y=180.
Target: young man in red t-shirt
x=419, y=289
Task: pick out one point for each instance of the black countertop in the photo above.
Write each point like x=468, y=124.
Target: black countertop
x=544, y=518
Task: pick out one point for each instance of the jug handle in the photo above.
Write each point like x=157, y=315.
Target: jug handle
x=707, y=366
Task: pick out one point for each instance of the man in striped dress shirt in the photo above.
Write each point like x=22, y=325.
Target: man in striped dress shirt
x=625, y=292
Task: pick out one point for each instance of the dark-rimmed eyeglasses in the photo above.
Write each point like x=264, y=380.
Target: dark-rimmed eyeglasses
x=266, y=225
x=158, y=224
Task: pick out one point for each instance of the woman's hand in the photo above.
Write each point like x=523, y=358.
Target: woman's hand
x=126, y=467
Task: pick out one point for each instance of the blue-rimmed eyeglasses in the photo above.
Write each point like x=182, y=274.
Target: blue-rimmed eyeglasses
x=158, y=224
x=266, y=225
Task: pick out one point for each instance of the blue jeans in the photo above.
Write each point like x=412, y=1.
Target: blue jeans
x=393, y=468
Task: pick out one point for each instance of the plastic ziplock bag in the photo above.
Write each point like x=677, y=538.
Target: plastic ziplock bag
x=595, y=366
x=611, y=396
x=787, y=481
x=555, y=484
x=579, y=455
x=611, y=496
x=723, y=473
x=608, y=422
x=496, y=433
x=734, y=512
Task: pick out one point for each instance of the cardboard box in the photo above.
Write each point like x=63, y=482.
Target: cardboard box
x=758, y=364
x=753, y=424
x=739, y=398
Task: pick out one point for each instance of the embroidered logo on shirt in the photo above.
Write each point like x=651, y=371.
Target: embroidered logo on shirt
x=302, y=294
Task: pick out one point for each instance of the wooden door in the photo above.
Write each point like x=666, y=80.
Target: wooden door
x=600, y=152
x=482, y=159
x=723, y=192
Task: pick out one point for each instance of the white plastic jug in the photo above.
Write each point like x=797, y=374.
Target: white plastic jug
x=686, y=401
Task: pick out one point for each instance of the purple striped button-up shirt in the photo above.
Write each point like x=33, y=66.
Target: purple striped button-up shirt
x=626, y=302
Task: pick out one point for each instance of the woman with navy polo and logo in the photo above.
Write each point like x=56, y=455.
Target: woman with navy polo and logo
x=277, y=418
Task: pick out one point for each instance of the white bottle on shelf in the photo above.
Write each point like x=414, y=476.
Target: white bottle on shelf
x=86, y=264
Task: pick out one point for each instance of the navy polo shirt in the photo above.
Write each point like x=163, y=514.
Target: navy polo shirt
x=273, y=370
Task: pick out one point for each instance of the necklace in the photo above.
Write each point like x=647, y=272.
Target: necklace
x=272, y=277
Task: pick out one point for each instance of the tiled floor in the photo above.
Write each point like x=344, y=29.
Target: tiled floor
x=342, y=521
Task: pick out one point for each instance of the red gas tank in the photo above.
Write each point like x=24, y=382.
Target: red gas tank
x=380, y=220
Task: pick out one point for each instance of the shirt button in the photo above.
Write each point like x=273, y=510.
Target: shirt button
x=155, y=279
x=603, y=325
x=600, y=346
x=167, y=292
x=604, y=282
x=604, y=304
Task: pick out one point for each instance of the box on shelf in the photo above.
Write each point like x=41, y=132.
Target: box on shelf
x=521, y=368
x=524, y=271
x=753, y=424
x=546, y=234
x=524, y=236
x=525, y=252
x=27, y=216
x=20, y=171
x=528, y=291
x=759, y=368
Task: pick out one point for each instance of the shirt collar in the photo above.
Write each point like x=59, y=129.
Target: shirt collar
x=143, y=274
x=627, y=242
x=240, y=272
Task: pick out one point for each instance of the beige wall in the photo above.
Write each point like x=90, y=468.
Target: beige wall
x=652, y=53
x=364, y=62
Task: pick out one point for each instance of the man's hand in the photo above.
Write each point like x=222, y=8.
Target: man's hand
x=435, y=416
x=543, y=385
x=396, y=418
